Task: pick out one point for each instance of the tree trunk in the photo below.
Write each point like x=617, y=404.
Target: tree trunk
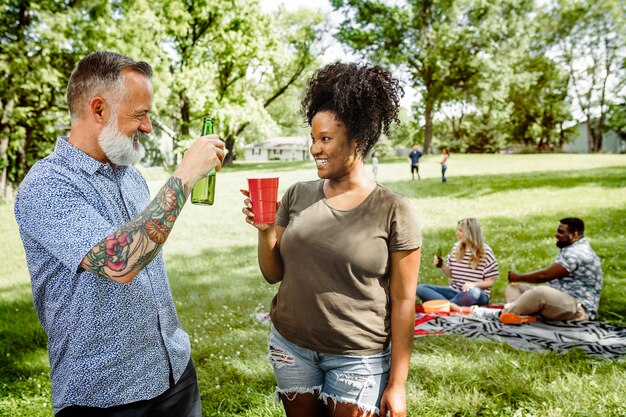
x=597, y=140
x=594, y=137
x=184, y=121
x=3, y=184
x=7, y=111
x=4, y=144
x=428, y=127
x=230, y=144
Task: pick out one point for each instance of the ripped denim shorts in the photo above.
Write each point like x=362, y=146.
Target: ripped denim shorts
x=358, y=380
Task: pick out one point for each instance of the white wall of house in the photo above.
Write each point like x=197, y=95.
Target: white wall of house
x=611, y=142
x=281, y=148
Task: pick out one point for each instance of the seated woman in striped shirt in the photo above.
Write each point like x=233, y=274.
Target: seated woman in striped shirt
x=471, y=266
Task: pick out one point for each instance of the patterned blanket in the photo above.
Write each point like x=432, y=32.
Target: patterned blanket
x=597, y=339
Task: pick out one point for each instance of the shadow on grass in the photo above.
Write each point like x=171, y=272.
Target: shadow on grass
x=218, y=293
x=508, y=380
x=480, y=185
x=21, y=335
x=217, y=296
x=229, y=345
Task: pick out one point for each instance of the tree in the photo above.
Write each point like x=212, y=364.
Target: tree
x=540, y=105
x=217, y=57
x=592, y=48
x=441, y=44
x=616, y=119
x=39, y=44
x=291, y=61
x=405, y=133
x=225, y=63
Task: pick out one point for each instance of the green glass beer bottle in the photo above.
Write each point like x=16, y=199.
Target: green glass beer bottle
x=439, y=257
x=203, y=191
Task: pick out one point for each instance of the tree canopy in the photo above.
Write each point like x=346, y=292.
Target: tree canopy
x=495, y=72
x=488, y=73
x=224, y=58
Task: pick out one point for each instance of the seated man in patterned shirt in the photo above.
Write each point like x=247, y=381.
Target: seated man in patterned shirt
x=574, y=282
x=93, y=246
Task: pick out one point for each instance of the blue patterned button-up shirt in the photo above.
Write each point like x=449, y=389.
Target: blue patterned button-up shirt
x=584, y=281
x=108, y=343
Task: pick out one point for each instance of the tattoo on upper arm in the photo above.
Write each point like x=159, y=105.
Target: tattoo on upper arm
x=139, y=240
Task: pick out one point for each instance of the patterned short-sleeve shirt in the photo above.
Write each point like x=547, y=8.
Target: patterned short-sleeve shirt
x=108, y=343
x=584, y=281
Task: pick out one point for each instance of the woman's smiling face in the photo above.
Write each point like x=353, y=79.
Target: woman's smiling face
x=334, y=153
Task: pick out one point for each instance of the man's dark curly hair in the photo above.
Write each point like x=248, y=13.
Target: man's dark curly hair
x=365, y=98
x=574, y=224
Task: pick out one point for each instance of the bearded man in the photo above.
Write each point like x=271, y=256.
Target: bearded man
x=574, y=283
x=93, y=242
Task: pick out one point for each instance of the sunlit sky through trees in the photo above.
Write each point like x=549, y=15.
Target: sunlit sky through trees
x=335, y=51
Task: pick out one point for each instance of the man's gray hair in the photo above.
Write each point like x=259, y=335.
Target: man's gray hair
x=100, y=74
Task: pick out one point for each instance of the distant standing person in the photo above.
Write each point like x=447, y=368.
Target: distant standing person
x=375, y=166
x=444, y=165
x=414, y=158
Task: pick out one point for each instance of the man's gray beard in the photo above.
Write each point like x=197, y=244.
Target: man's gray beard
x=119, y=148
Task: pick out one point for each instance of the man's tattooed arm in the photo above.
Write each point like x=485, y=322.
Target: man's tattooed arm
x=121, y=255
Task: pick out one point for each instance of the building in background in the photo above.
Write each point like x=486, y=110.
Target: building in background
x=292, y=148
x=579, y=143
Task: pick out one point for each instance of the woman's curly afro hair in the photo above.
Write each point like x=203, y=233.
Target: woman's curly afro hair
x=365, y=98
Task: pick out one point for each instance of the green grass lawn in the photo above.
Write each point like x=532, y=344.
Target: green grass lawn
x=211, y=258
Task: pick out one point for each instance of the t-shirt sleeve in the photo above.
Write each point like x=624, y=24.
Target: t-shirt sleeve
x=569, y=260
x=54, y=214
x=405, y=233
x=282, y=214
x=491, y=268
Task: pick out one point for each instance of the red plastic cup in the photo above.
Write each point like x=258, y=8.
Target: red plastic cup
x=263, y=195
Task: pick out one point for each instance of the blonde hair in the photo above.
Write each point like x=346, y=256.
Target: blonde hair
x=472, y=240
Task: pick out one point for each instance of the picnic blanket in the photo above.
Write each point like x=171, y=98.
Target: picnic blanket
x=595, y=338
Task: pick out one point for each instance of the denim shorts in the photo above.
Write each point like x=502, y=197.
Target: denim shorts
x=358, y=380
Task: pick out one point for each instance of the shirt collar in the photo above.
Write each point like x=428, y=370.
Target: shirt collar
x=77, y=157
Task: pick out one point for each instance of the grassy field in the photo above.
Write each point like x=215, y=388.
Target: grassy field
x=211, y=258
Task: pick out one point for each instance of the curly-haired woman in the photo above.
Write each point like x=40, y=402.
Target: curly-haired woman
x=346, y=252
x=471, y=266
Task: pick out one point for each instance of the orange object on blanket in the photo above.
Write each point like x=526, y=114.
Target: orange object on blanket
x=436, y=306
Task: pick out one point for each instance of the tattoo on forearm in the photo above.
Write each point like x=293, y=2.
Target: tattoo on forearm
x=136, y=243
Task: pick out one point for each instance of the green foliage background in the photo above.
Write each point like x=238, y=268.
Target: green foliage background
x=223, y=58
x=486, y=74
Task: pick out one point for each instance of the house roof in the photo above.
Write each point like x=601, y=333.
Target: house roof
x=283, y=142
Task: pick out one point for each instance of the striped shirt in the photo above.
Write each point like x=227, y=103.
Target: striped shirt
x=461, y=272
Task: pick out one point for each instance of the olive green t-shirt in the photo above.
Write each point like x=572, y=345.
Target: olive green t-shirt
x=334, y=295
